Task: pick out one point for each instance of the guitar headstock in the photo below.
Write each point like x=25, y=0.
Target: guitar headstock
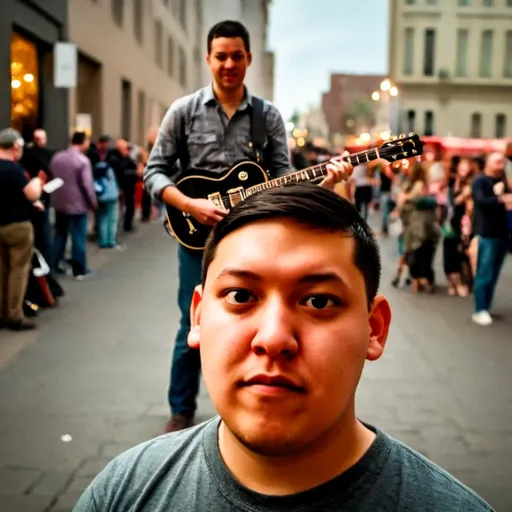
x=401, y=147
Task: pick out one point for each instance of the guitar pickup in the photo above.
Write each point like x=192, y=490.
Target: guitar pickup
x=216, y=199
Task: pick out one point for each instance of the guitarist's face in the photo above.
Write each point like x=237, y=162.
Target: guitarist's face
x=284, y=330
x=228, y=61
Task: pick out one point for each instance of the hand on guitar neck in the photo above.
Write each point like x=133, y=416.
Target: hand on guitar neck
x=338, y=169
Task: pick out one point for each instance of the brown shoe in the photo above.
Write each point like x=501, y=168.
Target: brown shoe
x=23, y=325
x=179, y=422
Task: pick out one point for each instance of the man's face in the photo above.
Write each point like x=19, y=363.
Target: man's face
x=284, y=330
x=496, y=164
x=228, y=61
x=40, y=138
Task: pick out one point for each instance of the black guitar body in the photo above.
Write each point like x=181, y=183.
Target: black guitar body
x=224, y=190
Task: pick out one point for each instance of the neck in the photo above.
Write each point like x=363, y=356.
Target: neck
x=229, y=97
x=6, y=155
x=327, y=457
x=76, y=148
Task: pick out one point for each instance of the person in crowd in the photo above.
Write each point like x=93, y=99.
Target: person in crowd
x=492, y=199
x=72, y=202
x=17, y=192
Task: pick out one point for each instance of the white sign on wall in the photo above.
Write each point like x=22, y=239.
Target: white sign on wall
x=65, y=57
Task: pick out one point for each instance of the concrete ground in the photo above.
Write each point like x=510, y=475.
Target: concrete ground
x=95, y=374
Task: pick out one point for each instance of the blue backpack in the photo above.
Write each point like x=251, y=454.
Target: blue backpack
x=105, y=183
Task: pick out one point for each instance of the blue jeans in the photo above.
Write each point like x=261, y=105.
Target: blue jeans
x=76, y=226
x=186, y=363
x=106, y=223
x=491, y=255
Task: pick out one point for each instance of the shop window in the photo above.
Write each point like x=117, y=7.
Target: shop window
x=24, y=85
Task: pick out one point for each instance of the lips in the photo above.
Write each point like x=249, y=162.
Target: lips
x=277, y=381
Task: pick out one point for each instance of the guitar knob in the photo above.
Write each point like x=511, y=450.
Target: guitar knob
x=411, y=134
x=402, y=135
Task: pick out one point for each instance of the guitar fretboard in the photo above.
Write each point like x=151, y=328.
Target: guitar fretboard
x=313, y=172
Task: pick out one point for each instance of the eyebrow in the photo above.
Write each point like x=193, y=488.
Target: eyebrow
x=316, y=278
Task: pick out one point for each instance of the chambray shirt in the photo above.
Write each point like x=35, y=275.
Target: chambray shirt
x=196, y=135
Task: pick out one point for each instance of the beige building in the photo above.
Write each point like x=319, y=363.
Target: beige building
x=452, y=63
x=135, y=58
x=254, y=15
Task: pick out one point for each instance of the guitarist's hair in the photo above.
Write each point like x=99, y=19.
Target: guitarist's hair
x=313, y=206
x=229, y=28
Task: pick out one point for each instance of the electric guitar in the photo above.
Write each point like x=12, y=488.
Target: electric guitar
x=247, y=178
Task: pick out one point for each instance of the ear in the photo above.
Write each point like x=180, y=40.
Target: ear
x=380, y=320
x=195, y=317
x=249, y=58
x=207, y=58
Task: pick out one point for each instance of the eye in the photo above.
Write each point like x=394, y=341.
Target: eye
x=239, y=296
x=321, y=301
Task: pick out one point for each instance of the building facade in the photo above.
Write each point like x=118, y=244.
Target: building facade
x=135, y=57
x=348, y=107
x=28, y=98
x=452, y=63
x=254, y=15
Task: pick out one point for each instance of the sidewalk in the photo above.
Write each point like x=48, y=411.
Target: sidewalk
x=97, y=370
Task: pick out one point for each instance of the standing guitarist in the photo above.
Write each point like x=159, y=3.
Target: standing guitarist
x=210, y=130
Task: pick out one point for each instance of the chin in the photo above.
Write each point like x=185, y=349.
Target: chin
x=269, y=436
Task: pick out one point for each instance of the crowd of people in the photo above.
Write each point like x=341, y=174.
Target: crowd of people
x=86, y=191
x=462, y=208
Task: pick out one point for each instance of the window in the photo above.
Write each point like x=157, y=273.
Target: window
x=158, y=43
x=476, y=125
x=431, y=2
x=464, y=3
x=410, y=121
x=409, y=51
x=126, y=109
x=430, y=37
x=410, y=2
x=117, y=11
x=138, y=20
x=462, y=52
x=141, y=117
x=429, y=122
x=183, y=14
x=183, y=67
x=488, y=3
x=508, y=54
x=501, y=125
x=486, y=54
x=170, y=56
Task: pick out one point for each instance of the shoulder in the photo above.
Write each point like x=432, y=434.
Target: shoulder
x=429, y=484
x=270, y=111
x=148, y=465
x=183, y=104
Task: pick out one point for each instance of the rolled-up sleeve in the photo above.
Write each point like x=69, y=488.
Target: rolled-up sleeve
x=160, y=165
x=279, y=153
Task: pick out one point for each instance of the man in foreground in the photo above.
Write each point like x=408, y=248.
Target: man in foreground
x=284, y=320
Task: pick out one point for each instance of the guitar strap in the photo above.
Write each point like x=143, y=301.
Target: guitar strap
x=258, y=130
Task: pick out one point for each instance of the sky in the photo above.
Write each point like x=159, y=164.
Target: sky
x=314, y=38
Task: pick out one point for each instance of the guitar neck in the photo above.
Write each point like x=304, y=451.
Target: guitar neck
x=315, y=171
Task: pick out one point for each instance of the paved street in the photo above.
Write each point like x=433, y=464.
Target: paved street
x=97, y=371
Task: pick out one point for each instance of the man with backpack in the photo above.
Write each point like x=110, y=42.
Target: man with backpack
x=210, y=130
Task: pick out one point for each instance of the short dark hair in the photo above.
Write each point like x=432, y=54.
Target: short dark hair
x=313, y=206
x=78, y=138
x=229, y=28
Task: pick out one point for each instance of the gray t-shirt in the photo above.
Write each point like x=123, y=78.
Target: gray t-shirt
x=184, y=471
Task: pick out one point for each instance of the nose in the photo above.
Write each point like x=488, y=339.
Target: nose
x=229, y=64
x=276, y=336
